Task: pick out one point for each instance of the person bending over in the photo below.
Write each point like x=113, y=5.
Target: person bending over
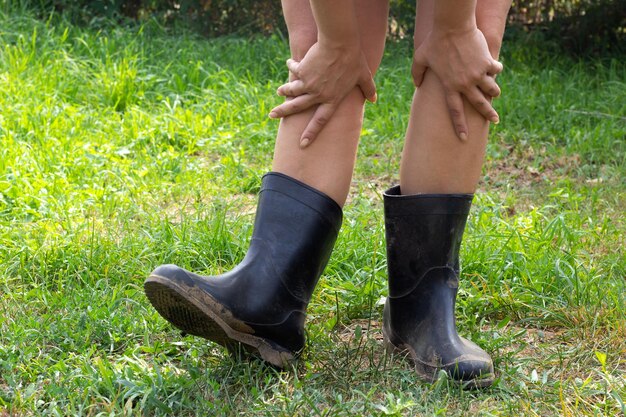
x=336, y=48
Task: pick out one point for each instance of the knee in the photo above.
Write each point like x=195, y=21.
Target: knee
x=300, y=41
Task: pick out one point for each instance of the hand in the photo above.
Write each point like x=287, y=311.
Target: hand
x=465, y=67
x=324, y=77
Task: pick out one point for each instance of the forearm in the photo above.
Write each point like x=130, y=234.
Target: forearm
x=455, y=15
x=336, y=23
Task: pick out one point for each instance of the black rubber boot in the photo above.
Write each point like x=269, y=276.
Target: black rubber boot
x=261, y=304
x=424, y=234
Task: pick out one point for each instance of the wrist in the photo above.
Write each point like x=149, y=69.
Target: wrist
x=345, y=43
x=337, y=25
x=454, y=34
x=456, y=28
x=455, y=16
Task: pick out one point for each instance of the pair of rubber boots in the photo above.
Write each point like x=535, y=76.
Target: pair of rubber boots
x=260, y=305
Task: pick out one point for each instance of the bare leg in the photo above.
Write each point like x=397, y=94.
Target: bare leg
x=424, y=233
x=434, y=160
x=327, y=164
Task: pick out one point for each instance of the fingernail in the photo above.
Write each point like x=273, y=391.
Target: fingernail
x=463, y=136
x=273, y=114
x=304, y=142
x=495, y=120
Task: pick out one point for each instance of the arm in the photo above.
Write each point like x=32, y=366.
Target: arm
x=457, y=52
x=330, y=69
x=336, y=22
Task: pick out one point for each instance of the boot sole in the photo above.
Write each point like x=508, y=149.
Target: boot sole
x=196, y=312
x=428, y=372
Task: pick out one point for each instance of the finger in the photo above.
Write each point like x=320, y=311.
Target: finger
x=322, y=115
x=291, y=89
x=489, y=86
x=482, y=105
x=457, y=114
x=293, y=106
x=419, y=67
x=293, y=66
x=495, y=67
x=368, y=87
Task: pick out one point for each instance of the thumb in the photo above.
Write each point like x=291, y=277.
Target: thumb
x=368, y=87
x=495, y=68
x=420, y=64
x=293, y=67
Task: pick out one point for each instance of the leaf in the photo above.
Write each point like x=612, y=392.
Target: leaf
x=602, y=359
x=358, y=332
x=534, y=377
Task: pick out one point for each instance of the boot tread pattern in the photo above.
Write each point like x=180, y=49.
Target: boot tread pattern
x=210, y=320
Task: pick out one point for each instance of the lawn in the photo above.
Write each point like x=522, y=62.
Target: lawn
x=123, y=148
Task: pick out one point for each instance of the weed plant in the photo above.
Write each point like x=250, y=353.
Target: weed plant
x=122, y=148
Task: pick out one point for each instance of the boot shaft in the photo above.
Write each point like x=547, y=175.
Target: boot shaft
x=423, y=232
x=295, y=229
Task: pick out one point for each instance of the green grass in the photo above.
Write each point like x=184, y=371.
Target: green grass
x=124, y=148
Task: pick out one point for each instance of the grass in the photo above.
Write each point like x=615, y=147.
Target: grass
x=124, y=148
